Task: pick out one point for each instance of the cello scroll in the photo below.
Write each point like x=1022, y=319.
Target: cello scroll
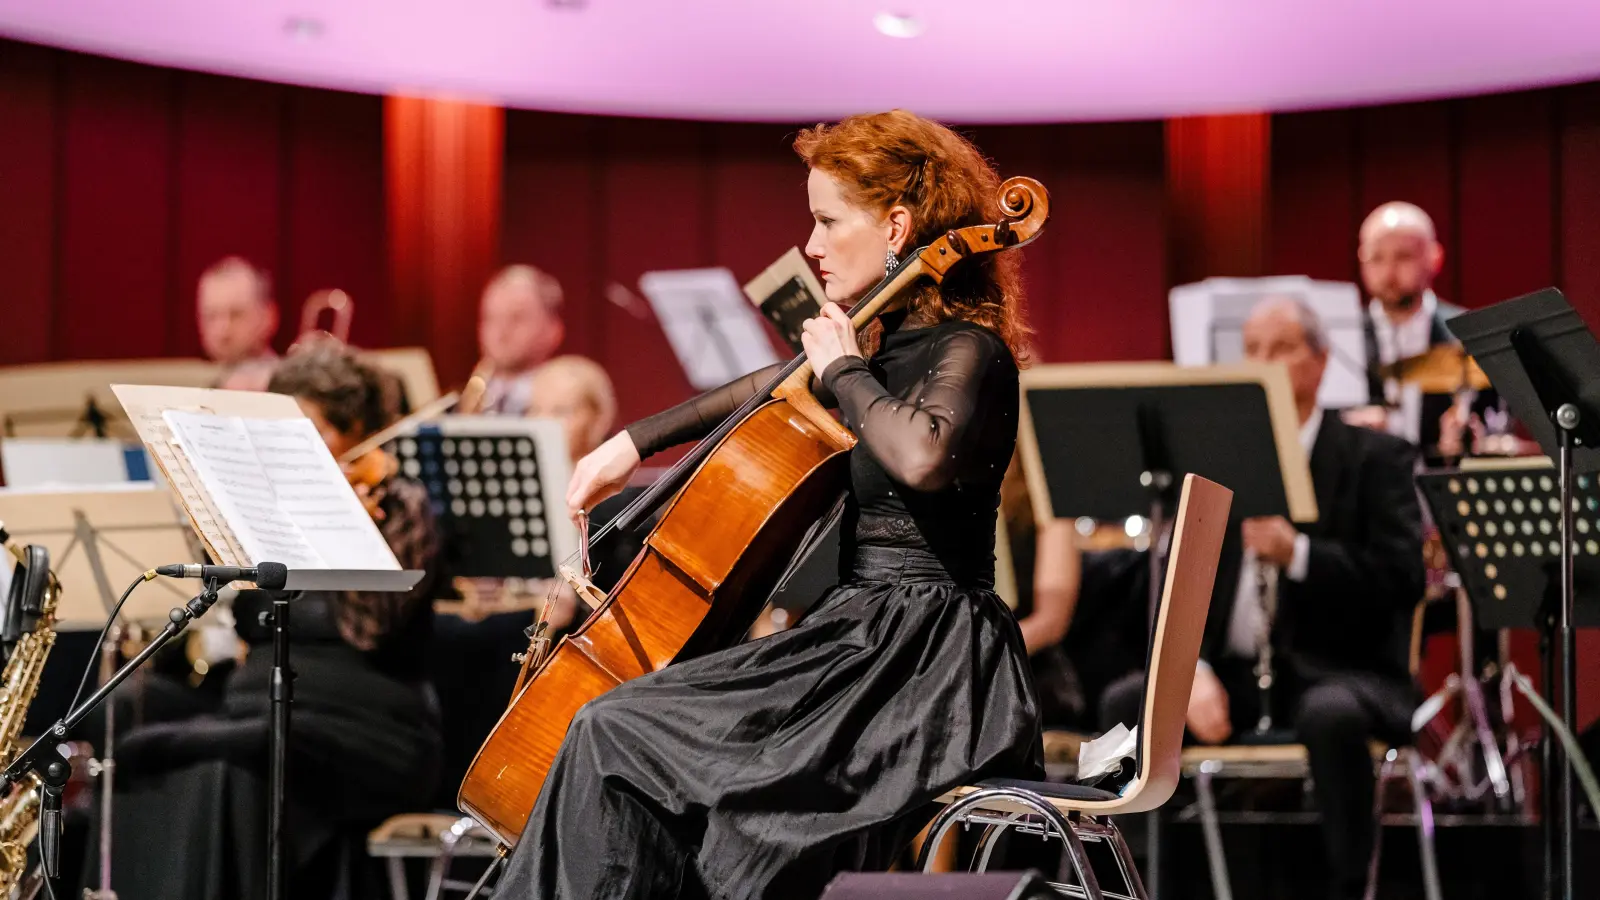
x=1024, y=208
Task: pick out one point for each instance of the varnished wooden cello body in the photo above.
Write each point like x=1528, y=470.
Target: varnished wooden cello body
x=749, y=492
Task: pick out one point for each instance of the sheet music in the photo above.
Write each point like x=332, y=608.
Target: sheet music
x=220, y=449
x=713, y=331
x=314, y=493
x=160, y=441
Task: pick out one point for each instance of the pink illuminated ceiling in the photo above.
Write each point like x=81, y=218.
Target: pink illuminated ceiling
x=973, y=60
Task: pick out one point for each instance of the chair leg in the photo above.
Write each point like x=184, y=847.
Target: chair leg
x=1494, y=764
x=1130, y=872
x=986, y=844
x=1424, y=807
x=1384, y=774
x=1221, y=887
x=397, y=878
x=1079, y=858
x=488, y=873
x=1074, y=856
x=441, y=863
x=1152, y=841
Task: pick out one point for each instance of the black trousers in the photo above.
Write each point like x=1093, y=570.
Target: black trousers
x=1334, y=717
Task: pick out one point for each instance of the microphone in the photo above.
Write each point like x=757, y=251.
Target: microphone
x=268, y=576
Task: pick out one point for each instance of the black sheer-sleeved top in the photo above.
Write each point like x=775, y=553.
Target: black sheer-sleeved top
x=935, y=411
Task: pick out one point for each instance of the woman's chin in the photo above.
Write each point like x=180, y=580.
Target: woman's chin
x=837, y=293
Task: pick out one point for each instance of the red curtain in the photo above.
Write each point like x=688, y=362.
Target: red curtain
x=443, y=170
x=598, y=202
x=124, y=181
x=1218, y=181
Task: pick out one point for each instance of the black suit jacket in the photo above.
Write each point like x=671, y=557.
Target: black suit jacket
x=1352, y=613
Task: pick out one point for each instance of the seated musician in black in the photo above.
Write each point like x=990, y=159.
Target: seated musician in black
x=760, y=770
x=1347, y=586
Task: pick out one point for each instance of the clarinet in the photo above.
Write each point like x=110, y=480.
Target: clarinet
x=1267, y=592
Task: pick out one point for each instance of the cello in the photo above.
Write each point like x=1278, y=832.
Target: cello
x=735, y=508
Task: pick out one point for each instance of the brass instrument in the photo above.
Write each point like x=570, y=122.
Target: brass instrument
x=336, y=301
x=473, y=391
x=19, y=809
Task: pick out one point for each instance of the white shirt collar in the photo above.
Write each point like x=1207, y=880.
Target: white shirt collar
x=1411, y=337
x=1310, y=429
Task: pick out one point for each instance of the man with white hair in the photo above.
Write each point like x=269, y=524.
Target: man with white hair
x=519, y=327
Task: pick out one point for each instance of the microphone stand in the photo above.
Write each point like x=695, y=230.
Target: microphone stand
x=282, y=692
x=43, y=756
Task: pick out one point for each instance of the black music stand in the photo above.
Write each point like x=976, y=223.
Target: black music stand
x=1114, y=440
x=1544, y=362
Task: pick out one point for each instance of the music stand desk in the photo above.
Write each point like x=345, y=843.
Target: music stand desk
x=1090, y=433
x=99, y=541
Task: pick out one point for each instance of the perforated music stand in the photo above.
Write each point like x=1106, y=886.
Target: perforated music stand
x=1501, y=526
x=498, y=488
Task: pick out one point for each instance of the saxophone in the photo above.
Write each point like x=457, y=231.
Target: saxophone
x=19, y=809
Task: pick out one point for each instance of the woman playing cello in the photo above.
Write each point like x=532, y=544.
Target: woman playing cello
x=760, y=770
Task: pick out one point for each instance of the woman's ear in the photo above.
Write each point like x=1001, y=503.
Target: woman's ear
x=899, y=223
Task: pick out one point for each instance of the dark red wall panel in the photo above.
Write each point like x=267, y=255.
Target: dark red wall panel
x=29, y=214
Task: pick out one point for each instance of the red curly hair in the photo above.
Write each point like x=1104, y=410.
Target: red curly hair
x=899, y=158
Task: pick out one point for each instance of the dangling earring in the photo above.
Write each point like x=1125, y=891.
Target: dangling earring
x=890, y=262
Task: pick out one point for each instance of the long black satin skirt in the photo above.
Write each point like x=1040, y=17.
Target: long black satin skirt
x=762, y=770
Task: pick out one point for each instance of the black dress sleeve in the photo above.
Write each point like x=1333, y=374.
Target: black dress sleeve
x=697, y=417
x=916, y=438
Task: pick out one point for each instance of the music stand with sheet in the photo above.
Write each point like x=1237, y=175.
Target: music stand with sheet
x=260, y=448
x=1545, y=364
x=498, y=488
x=712, y=328
x=1208, y=323
x=414, y=367
x=88, y=461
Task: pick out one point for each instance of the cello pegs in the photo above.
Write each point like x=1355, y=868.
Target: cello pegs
x=1002, y=233
x=957, y=242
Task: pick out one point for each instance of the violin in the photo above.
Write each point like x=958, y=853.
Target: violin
x=368, y=466
x=369, y=474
